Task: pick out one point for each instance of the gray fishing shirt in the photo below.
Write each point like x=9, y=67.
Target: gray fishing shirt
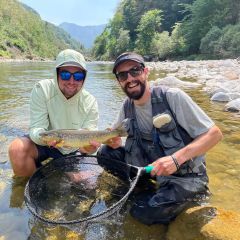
x=188, y=114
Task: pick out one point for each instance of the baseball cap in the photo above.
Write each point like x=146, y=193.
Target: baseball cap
x=127, y=56
x=70, y=57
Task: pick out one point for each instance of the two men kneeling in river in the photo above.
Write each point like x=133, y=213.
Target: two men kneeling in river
x=166, y=129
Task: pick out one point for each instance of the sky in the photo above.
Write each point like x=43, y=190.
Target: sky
x=80, y=12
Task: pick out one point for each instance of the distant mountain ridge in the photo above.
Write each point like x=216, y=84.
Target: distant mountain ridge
x=84, y=34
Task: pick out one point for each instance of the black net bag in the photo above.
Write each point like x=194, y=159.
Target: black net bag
x=76, y=189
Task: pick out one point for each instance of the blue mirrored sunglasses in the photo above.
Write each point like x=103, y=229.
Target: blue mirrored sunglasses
x=77, y=76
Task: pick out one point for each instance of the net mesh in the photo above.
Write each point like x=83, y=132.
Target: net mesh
x=77, y=189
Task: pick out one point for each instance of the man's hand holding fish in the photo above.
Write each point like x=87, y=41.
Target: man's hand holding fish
x=88, y=149
x=85, y=140
x=114, y=142
x=91, y=148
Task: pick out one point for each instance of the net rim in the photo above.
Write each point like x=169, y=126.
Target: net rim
x=105, y=213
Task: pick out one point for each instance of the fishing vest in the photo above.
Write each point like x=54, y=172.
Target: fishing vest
x=142, y=149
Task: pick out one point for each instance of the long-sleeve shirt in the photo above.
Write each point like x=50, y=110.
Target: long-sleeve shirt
x=50, y=109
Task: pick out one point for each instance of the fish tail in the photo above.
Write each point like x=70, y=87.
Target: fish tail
x=122, y=129
x=122, y=133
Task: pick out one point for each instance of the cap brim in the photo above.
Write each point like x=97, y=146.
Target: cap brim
x=71, y=64
x=125, y=60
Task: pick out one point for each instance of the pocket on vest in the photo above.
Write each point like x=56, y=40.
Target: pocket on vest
x=167, y=127
x=134, y=154
x=170, y=139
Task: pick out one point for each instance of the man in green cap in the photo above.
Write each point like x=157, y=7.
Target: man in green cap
x=59, y=103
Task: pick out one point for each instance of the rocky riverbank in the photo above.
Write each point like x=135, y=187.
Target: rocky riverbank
x=5, y=60
x=219, y=78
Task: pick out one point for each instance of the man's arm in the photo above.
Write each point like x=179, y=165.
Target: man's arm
x=39, y=120
x=200, y=145
x=198, y=125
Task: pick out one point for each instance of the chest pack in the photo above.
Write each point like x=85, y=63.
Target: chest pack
x=142, y=149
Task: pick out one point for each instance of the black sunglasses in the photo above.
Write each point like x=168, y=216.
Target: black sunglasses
x=134, y=72
x=77, y=76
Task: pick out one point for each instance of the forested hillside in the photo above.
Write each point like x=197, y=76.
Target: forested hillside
x=23, y=34
x=173, y=29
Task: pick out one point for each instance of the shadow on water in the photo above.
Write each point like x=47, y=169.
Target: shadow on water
x=17, y=80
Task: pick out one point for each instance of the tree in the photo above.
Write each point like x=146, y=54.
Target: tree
x=203, y=15
x=198, y=22
x=162, y=45
x=178, y=40
x=149, y=24
x=123, y=43
x=229, y=44
x=100, y=45
x=210, y=42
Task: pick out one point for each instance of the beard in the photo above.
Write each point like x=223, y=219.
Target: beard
x=135, y=95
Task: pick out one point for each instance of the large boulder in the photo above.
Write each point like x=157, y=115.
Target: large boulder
x=205, y=223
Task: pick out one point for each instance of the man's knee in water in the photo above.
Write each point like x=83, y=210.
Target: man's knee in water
x=149, y=214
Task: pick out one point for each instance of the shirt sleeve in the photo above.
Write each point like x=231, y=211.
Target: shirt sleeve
x=188, y=114
x=39, y=120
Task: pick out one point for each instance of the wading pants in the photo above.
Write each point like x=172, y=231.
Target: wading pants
x=170, y=196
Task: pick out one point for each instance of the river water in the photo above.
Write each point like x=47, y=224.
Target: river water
x=17, y=80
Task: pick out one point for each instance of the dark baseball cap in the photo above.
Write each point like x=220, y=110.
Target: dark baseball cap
x=128, y=56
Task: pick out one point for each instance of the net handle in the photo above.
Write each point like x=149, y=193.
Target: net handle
x=149, y=168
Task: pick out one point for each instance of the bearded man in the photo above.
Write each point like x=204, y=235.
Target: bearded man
x=167, y=130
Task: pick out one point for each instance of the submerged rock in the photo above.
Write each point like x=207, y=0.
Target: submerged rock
x=233, y=106
x=221, y=97
x=204, y=223
x=224, y=96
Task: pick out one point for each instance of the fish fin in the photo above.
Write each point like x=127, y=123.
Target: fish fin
x=60, y=144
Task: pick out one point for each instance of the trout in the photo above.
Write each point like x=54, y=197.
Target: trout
x=71, y=138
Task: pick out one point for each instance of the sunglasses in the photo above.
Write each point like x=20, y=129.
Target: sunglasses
x=77, y=76
x=134, y=72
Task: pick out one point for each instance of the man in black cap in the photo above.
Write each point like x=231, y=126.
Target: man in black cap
x=167, y=130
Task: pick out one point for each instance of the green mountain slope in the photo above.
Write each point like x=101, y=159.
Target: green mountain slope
x=23, y=34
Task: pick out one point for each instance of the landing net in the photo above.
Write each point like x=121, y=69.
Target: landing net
x=77, y=189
